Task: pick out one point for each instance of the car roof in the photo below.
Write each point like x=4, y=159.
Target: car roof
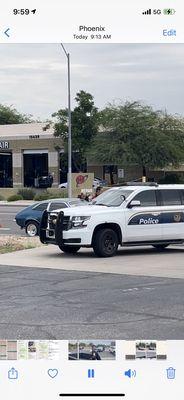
x=58, y=199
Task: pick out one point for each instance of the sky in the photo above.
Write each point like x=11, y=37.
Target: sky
x=33, y=77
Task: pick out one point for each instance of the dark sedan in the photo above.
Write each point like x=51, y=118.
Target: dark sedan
x=29, y=218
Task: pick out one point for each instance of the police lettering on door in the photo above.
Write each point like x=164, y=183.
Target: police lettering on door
x=144, y=219
x=148, y=221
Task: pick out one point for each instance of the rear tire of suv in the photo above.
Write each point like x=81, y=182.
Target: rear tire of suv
x=160, y=247
x=105, y=243
x=69, y=249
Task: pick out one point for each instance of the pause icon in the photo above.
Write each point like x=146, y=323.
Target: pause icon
x=147, y=12
x=91, y=373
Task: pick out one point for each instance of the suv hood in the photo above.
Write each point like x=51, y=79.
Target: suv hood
x=82, y=210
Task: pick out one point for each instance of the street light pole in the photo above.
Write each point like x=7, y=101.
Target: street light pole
x=69, y=184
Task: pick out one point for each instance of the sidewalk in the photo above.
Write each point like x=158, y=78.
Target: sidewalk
x=136, y=262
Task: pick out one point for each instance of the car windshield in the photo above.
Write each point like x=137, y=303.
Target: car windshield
x=76, y=203
x=112, y=198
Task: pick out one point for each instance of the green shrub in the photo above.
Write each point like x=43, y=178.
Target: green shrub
x=42, y=196
x=58, y=194
x=14, y=197
x=50, y=195
x=1, y=198
x=27, y=194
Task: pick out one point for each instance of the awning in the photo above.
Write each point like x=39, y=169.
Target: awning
x=35, y=151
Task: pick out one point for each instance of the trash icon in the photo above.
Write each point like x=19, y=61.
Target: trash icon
x=171, y=373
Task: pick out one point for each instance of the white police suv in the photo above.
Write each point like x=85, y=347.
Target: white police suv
x=130, y=215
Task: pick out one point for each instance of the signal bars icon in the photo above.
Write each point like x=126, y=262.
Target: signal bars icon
x=147, y=12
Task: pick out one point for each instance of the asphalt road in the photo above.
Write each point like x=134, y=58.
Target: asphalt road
x=41, y=303
x=8, y=226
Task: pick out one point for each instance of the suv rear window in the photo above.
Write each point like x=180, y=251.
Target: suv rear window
x=170, y=197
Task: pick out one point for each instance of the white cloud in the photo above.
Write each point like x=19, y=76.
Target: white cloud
x=34, y=77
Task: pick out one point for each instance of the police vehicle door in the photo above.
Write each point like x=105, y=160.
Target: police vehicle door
x=172, y=210
x=143, y=221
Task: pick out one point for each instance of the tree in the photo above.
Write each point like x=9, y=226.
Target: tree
x=136, y=134
x=84, y=119
x=9, y=115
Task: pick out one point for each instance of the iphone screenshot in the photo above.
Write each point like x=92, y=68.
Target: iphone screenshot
x=91, y=200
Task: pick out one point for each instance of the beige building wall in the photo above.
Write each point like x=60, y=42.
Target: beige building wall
x=17, y=168
x=53, y=166
x=17, y=147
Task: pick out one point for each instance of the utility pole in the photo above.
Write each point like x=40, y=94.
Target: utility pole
x=69, y=181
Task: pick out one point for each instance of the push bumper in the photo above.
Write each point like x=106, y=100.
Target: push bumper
x=44, y=237
x=63, y=237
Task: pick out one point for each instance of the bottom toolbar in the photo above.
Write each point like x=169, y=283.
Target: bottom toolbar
x=51, y=369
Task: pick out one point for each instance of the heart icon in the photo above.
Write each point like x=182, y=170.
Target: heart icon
x=52, y=372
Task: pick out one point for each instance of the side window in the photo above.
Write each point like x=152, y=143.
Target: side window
x=171, y=197
x=182, y=196
x=147, y=198
x=40, y=207
x=55, y=206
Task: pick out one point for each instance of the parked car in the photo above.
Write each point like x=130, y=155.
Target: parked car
x=100, y=349
x=112, y=350
x=96, y=182
x=29, y=218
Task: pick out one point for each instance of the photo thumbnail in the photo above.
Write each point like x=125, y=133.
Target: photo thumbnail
x=92, y=350
x=146, y=350
x=29, y=350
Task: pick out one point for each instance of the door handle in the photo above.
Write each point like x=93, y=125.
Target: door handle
x=156, y=214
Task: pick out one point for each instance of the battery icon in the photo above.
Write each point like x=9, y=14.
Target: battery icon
x=169, y=11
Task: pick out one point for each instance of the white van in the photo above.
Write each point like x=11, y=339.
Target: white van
x=130, y=215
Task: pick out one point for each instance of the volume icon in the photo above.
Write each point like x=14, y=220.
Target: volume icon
x=147, y=12
x=130, y=373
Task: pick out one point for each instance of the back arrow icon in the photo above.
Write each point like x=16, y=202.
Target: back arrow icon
x=6, y=32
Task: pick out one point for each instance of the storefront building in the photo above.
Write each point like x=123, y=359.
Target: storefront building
x=28, y=151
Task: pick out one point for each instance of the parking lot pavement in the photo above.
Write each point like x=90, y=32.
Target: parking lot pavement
x=132, y=261
x=42, y=303
x=47, y=294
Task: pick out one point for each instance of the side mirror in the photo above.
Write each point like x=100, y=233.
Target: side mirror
x=134, y=203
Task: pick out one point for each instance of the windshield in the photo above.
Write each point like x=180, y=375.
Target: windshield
x=112, y=198
x=76, y=203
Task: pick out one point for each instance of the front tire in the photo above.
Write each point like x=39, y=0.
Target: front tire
x=69, y=249
x=32, y=228
x=105, y=243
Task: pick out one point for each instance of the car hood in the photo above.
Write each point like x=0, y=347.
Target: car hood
x=83, y=210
